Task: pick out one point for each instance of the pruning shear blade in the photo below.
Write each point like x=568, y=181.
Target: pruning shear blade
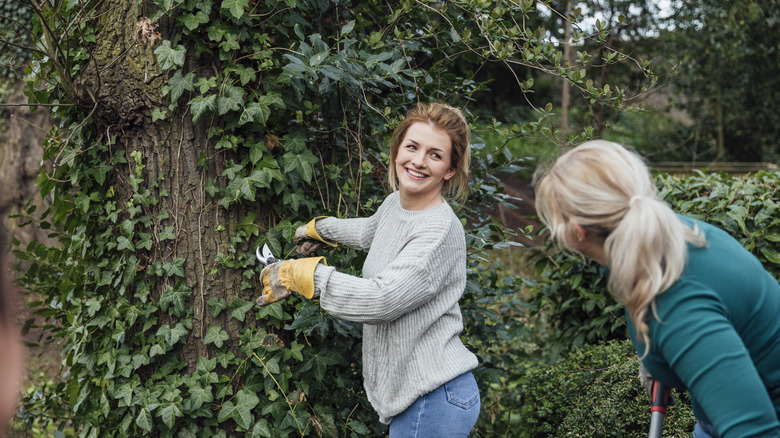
x=265, y=256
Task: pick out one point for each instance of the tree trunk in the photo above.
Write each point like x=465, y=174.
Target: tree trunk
x=566, y=86
x=719, y=120
x=21, y=154
x=127, y=89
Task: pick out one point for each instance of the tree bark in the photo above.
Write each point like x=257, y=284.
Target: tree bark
x=128, y=85
x=566, y=86
x=21, y=154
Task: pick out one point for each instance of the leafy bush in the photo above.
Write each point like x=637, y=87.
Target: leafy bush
x=747, y=207
x=592, y=392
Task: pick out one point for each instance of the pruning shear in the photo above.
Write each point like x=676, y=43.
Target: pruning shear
x=265, y=256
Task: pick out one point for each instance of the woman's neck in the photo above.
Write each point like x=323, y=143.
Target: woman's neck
x=416, y=203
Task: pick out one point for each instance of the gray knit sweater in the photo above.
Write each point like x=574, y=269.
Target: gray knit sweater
x=407, y=299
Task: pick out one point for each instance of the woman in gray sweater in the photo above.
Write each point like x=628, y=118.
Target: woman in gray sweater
x=417, y=372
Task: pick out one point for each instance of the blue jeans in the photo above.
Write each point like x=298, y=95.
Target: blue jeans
x=704, y=430
x=449, y=411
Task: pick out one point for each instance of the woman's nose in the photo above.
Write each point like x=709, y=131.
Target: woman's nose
x=418, y=159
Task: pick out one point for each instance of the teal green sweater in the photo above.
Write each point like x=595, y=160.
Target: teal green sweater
x=719, y=337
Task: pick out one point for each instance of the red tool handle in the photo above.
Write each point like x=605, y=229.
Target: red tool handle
x=660, y=397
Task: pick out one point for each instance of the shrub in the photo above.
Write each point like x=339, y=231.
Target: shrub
x=592, y=392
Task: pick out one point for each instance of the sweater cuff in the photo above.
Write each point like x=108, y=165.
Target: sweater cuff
x=321, y=277
x=311, y=231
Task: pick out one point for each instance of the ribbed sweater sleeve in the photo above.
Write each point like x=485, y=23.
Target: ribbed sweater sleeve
x=411, y=278
x=356, y=233
x=407, y=298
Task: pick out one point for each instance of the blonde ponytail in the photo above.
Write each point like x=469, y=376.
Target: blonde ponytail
x=608, y=190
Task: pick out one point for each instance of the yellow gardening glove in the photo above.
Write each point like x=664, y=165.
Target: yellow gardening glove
x=307, y=240
x=281, y=278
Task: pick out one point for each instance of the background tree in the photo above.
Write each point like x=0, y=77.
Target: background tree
x=727, y=78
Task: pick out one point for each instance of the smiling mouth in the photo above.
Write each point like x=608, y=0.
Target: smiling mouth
x=416, y=174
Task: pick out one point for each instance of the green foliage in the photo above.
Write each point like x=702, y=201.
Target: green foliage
x=726, y=77
x=747, y=207
x=15, y=37
x=293, y=102
x=592, y=392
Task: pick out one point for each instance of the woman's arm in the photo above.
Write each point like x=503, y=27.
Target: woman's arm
x=412, y=279
x=356, y=233
x=707, y=354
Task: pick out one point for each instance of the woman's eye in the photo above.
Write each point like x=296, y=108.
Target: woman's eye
x=437, y=156
x=411, y=146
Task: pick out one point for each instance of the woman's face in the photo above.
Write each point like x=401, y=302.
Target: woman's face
x=424, y=162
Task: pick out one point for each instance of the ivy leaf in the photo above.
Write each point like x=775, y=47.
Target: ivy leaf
x=216, y=335
x=180, y=83
x=158, y=114
x=245, y=74
x=168, y=234
x=240, y=307
x=144, y=420
x=294, y=199
x=236, y=7
x=177, y=297
x=262, y=177
x=295, y=350
x=300, y=163
x=199, y=105
x=145, y=241
x=171, y=336
x=252, y=341
x=232, y=170
x=168, y=57
x=261, y=429
x=217, y=305
x=320, y=362
x=192, y=22
x=82, y=202
x=156, y=350
x=175, y=268
x=273, y=366
x=256, y=150
x=231, y=101
x=169, y=414
x=254, y=112
x=295, y=142
x=124, y=393
x=216, y=32
x=358, y=427
x=231, y=43
x=241, y=188
x=205, y=365
x=771, y=255
x=241, y=411
x=124, y=243
x=200, y=395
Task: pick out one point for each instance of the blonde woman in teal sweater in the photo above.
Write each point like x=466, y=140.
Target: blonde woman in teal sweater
x=703, y=313
x=416, y=371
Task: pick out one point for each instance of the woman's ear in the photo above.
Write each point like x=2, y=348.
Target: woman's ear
x=450, y=173
x=580, y=231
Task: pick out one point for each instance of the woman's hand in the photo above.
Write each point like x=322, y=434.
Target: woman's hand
x=304, y=243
